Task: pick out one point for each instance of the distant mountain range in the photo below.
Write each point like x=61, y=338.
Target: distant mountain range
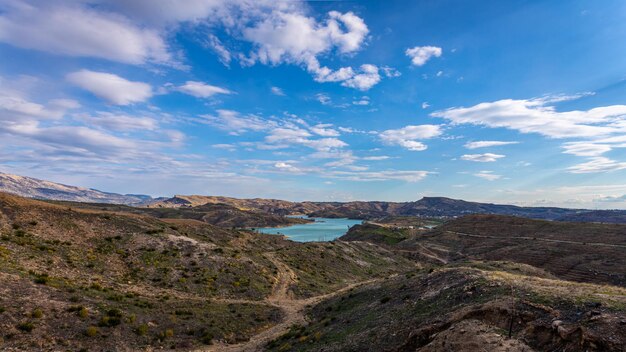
x=40, y=189
x=439, y=207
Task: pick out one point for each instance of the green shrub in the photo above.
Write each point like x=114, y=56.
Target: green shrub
x=42, y=279
x=91, y=331
x=25, y=326
x=83, y=312
x=142, y=330
x=207, y=338
x=166, y=334
x=2, y=309
x=37, y=313
x=113, y=317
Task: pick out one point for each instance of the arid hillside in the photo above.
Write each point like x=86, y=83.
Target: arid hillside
x=217, y=214
x=79, y=277
x=83, y=279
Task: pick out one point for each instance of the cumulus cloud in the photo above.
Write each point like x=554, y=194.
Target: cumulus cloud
x=421, y=54
x=485, y=144
x=363, y=80
x=482, y=158
x=135, y=32
x=294, y=38
x=201, y=89
x=409, y=136
x=112, y=88
x=76, y=29
x=488, y=175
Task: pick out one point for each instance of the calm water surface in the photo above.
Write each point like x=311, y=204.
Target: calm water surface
x=323, y=229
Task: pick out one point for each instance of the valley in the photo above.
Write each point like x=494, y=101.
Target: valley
x=200, y=277
x=92, y=277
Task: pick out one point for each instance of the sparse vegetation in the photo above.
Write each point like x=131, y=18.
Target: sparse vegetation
x=91, y=331
x=122, y=286
x=25, y=326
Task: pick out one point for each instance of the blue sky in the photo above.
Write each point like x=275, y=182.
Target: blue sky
x=512, y=102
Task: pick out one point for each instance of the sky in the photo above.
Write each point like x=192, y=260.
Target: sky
x=519, y=102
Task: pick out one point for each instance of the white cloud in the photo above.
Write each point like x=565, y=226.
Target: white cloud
x=536, y=116
x=488, y=175
x=365, y=79
x=110, y=87
x=408, y=136
x=222, y=52
x=283, y=166
x=390, y=72
x=135, y=32
x=296, y=38
x=482, y=158
x=201, y=89
x=362, y=101
x=76, y=30
x=324, y=99
x=597, y=164
x=375, y=158
x=120, y=122
x=425, y=105
x=421, y=54
x=277, y=91
x=585, y=148
x=233, y=121
x=387, y=175
x=485, y=144
x=324, y=130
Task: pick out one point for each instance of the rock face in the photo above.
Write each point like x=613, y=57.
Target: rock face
x=40, y=189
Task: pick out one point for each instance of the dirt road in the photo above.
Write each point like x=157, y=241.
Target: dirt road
x=281, y=297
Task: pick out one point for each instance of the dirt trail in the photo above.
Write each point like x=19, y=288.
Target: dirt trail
x=282, y=298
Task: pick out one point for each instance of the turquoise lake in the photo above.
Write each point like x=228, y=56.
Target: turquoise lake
x=323, y=229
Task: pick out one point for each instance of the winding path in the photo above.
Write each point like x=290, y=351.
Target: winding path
x=281, y=297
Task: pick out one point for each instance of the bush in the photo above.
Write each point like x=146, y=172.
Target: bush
x=207, y=338
x=91, y=331
x=385, y=300
x=142, y=330
x=2, y=309
x=83, y=312
x=37, y=313
x=42, y=279
x=113, y=317
x=168, y=333
x=25, y=326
